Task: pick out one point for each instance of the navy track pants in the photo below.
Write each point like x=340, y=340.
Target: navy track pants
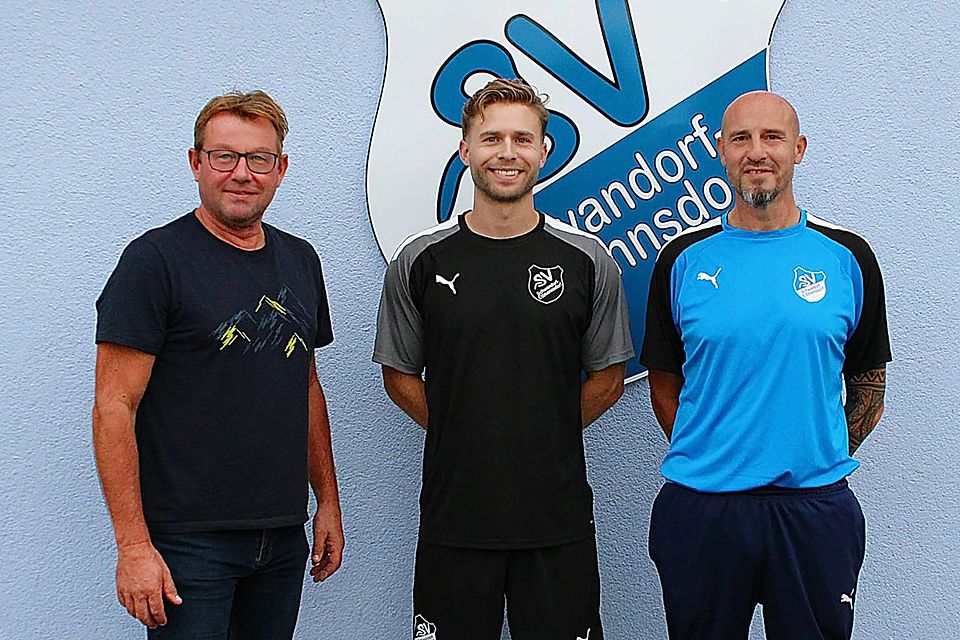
x=796, y=552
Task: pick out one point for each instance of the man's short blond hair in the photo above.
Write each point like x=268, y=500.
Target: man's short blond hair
x=514, y=91
x=247, y=106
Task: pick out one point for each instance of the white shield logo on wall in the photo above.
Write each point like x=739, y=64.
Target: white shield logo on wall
x=636, y=92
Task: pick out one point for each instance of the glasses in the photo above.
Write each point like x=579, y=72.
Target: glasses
x=226, y=160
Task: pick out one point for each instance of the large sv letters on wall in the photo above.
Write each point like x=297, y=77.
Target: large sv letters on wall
x=637, y=89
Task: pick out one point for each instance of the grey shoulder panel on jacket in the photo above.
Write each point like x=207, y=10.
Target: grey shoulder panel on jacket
x=415, y=244
x=589, y=244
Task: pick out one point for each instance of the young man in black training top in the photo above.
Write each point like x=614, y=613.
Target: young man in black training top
x=503, y=308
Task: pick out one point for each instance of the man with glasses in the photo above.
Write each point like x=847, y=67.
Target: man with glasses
x=209, y=417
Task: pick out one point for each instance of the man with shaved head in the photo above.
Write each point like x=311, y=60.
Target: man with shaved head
x=759, y=323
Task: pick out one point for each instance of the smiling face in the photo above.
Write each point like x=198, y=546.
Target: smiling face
x=759, y=146
x=504, y=148
x=237, y=198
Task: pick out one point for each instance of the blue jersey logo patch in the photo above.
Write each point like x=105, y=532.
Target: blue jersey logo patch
x=809, y=285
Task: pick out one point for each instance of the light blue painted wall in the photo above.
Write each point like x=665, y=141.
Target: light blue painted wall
x=97, y=102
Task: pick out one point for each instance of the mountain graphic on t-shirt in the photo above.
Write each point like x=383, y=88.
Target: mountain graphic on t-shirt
x=274, y=322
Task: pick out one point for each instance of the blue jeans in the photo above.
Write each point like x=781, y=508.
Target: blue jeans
x=236, y=585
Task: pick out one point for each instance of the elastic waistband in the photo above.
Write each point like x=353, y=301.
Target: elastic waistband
x=787, y=492
x=771, y=491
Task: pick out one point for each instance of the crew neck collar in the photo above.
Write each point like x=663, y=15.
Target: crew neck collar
x=773, y=233
x=230, y=247
x=500, y=242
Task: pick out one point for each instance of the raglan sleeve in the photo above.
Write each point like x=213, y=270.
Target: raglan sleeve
x=607, y=340
x=399, y=341
x=662, y=346
x=134, y=306
x=869, y=345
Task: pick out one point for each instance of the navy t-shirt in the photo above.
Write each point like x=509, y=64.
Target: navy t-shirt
x=222, y=426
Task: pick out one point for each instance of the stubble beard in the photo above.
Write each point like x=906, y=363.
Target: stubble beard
x=483, y=185
x=238, y=222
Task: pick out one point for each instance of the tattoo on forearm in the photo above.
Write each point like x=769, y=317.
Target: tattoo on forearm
x=864, y=404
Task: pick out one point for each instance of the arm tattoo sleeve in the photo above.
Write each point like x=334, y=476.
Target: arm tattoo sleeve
x=864, y=404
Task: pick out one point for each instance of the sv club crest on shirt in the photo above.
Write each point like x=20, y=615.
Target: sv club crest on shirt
x=809, y=285
x=423, y=629
x=545, y=284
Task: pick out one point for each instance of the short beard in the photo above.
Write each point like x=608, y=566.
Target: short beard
x=480, y=183
x=759, y=198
